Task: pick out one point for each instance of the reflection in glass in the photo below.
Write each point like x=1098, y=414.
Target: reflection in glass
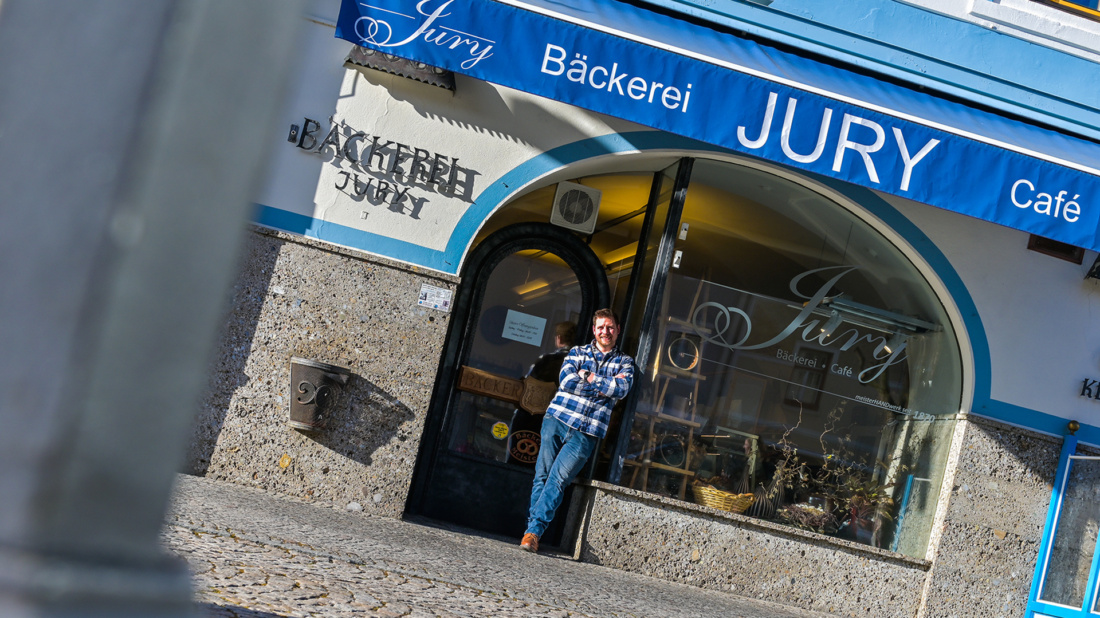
x=806, y=373
x=1074, y=540
x=643, y=273
x=527, y=294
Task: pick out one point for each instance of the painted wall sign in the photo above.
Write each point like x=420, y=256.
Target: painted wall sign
x=385, y=173
x=901, y=154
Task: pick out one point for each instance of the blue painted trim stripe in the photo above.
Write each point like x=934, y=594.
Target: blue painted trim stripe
x=347, y=237
x=1033, y=419
x=935, y=60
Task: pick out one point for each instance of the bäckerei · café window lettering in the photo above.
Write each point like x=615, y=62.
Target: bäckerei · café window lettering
x=805, y=372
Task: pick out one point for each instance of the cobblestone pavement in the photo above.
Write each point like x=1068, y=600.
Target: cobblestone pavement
x=255, y=555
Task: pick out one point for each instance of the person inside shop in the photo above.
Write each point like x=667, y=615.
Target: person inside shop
x=523, y=433
x=592, y=379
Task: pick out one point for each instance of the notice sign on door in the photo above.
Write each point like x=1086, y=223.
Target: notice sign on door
x=524, y=328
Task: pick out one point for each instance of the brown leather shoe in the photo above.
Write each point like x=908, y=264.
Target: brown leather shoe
x=530, y=542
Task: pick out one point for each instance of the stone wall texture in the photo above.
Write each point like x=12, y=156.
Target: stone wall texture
x=985, y=558
x=707, y=548
x=981, y=564
x=298, y=298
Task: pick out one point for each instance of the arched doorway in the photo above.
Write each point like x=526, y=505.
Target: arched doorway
x=520, y=283
x=791, y=351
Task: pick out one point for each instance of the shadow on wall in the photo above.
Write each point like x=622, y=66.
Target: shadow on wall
x=363, y=421
x=279, y=310
x=227, y=373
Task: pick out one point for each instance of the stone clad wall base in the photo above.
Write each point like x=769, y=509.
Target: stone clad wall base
x=704, y=547
x=984, y=559
x=298, y=298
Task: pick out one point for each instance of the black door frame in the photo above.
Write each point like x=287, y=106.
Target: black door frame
x=467, y=306
x=651, y=304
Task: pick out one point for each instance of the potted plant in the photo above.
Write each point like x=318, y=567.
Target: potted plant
x=868, y=503
x=810, y=517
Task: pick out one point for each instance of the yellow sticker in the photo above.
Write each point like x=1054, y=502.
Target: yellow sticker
x=500, y=431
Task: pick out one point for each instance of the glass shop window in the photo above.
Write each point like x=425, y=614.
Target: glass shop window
x=804, y=372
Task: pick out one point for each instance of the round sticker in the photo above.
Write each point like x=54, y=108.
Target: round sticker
x=500, y=431
x=525, y=446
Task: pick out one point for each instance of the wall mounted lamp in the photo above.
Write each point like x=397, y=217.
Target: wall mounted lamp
x=315, y=390
x=1094, y=272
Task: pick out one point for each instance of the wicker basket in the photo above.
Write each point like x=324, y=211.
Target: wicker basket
x=722, y=500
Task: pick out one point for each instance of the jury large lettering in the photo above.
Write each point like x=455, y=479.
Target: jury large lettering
x=845, y=143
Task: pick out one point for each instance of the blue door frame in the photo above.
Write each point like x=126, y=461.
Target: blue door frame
x=1036, y=607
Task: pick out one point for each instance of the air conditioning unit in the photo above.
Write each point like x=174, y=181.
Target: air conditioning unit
x=575, y=207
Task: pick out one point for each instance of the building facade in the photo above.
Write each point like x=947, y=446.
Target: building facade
x=851, y=254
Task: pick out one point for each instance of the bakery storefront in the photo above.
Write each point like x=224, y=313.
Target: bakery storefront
x=809, y=359
x=796, y=361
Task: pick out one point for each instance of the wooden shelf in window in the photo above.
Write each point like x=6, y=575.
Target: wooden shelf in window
x=661, y=466
x=667, y=417
x=686, y=324
x=670, y=371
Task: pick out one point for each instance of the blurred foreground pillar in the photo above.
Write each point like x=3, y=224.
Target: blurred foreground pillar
x=132, y=136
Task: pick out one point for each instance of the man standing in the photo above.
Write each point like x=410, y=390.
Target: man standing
x=592, y=379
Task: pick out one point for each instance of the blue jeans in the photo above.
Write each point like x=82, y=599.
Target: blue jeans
x=562, y=455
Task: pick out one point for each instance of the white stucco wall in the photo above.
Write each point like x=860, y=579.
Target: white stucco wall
x=1027, y=20
x=488, y=129
x=1039, y=313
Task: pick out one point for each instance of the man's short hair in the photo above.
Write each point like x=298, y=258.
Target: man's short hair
x=566, y=332
x=605, y=313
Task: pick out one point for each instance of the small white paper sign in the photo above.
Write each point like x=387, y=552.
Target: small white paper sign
x=436, y=298
x=524, y=328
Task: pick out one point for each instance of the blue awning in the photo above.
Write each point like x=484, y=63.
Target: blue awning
x=688, y=79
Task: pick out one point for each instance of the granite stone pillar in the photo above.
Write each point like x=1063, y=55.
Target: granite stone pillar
x=132, y=133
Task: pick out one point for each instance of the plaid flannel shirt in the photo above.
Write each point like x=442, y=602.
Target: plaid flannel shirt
x=587, y=407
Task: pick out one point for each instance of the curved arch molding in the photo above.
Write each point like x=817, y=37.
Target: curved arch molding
x=496, y=194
